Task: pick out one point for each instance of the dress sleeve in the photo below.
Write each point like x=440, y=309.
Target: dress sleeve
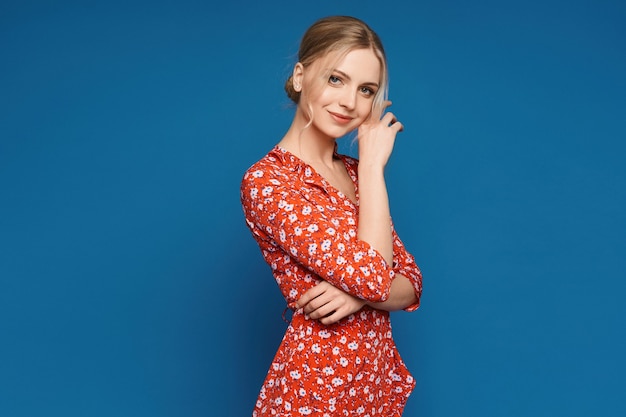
x=316, y=236
x=404, y=264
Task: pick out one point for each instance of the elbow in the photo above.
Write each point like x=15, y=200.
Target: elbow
x=377, y=289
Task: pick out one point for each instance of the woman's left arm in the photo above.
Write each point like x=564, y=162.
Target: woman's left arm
x=402, y=296
x=330, y=304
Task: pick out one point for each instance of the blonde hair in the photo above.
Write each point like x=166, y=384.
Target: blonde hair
x=340, y=35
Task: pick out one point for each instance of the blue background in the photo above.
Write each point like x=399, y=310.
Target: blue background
x=129, y=285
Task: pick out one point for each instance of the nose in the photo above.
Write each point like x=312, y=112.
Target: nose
x=348, y=98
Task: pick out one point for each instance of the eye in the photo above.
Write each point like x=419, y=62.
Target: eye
x=367, y=91
x=334, y=80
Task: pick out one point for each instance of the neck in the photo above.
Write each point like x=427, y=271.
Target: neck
x=308, y=144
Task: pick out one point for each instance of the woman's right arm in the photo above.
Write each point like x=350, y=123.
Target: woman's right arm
x=376, y=140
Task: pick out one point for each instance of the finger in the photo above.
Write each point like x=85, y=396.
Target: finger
x=316, y=303
x=310, y=294
x=378, y=111
x=392, y=121
x=389, y=118
x=323, y=298
x=332, y=318
x=324, y=310
x=397, y=126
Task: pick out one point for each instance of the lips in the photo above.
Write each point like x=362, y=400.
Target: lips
x=340, y=118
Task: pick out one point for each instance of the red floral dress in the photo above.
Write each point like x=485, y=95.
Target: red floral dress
x=307, y=232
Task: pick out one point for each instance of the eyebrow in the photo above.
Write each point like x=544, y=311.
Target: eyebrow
x=347, y=77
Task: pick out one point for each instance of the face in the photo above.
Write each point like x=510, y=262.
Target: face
x=342, y=99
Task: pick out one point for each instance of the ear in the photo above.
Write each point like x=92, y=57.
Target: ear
x=298, y=76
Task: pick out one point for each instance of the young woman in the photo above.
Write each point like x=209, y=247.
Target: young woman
x=323, y=224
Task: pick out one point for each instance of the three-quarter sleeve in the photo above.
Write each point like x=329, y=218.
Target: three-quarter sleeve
x=320, y=237
x=405, y=265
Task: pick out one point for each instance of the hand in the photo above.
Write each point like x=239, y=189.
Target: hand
x=377, y=136
x=328, y=304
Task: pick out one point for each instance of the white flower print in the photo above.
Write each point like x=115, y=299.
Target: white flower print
x=324, y=334
x=337, y=381
x=305, y=411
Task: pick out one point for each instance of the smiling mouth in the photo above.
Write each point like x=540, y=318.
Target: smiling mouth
x=340, y=117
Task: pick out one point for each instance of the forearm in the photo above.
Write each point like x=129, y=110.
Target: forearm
x=401, y=296
x=374, y=218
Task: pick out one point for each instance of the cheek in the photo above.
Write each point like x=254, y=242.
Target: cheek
x=365, y=108
x=315, y=90
x=326, y=95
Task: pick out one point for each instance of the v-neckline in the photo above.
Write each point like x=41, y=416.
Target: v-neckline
x=327, y=183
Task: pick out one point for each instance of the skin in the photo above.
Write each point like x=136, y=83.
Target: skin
x=341, y=103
